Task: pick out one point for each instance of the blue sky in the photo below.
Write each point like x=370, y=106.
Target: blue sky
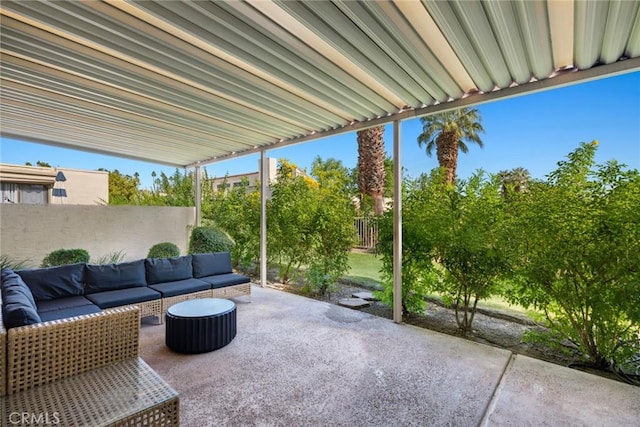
x=533, y=131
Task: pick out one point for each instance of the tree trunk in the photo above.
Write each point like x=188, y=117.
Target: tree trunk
x=447, y=150
x=371, y=165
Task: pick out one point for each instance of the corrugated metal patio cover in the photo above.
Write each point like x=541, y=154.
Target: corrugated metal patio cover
x=186, y=82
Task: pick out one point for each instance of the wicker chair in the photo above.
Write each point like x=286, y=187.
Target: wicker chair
x=85, y=370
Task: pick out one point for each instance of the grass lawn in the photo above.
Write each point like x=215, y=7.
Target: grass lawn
x=365, y=271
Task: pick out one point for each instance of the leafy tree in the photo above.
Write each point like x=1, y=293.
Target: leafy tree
x=388, y=176
x=371, y=173
x=465, y=224
x=331, y=175
x=449, y=132
x=332, y=221
x=237, y=211
x=452, y=243
x=177, y=189
x=579, y=255
x=123, y=189
x=417, y=266
x=290, y=225
x=310, y=223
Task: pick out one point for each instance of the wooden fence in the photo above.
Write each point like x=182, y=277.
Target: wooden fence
x=367, y=233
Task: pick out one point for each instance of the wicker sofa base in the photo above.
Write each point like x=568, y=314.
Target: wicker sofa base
x=149, y=308
x=231, y=291
x=126, y=393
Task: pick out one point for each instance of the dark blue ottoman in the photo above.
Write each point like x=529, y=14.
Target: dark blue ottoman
x=200, y=325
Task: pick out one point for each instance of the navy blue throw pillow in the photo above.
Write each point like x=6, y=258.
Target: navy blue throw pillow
x=54, y=282
x=110, y=277
x=161, y=270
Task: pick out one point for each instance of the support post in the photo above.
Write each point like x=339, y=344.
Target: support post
x=397, y=224
x=264, y=181
x=198, y=196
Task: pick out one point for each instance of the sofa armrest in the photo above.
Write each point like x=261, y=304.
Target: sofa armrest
x=45, y=352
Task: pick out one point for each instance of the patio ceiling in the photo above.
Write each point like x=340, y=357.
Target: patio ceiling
x=185, y=83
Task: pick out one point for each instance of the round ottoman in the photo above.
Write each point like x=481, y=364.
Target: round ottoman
x=200, y=325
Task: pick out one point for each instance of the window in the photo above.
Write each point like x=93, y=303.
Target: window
x=35, y=194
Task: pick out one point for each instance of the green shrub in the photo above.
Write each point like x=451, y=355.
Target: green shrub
x=577, y=237
x=65, y=256
x=110, y=258
x=451, y=244
x=310, y=224
x=209, y=239
x=163, y=250
x=417, y=266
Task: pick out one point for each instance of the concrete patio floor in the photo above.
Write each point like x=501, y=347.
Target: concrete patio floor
x=300, y=362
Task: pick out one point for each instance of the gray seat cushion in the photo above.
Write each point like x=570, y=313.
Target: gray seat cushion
x=222, y=280
x=180, y=287
x=120, y=297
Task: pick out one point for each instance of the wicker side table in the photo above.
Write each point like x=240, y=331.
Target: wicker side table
x=126, y=393
x=200, y=325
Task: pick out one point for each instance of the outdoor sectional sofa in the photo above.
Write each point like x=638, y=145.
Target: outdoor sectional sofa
x=152, y=284
x=63, y=299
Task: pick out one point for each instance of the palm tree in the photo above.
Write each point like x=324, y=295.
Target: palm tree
x=449, y=132
x=371, y=172
x=516, y=179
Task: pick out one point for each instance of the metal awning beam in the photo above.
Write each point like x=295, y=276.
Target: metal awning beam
x=563, y=78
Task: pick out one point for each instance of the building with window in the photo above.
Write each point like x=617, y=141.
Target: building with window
x=253, y=178
x=44, y=185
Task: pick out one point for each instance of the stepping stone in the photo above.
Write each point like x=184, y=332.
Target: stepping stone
x=354, y=303
x=368, y=296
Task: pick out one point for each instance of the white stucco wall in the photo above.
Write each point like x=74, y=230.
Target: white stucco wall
x=30, y=232
x=84, y=187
